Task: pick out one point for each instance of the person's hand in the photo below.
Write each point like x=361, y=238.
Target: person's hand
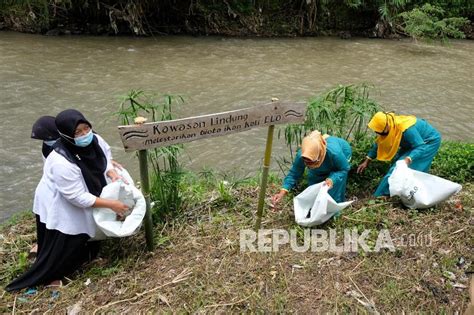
x=328, y=182
x=115, y=205
x=363, y=166
x=407, y=160
x=118, y=207
x=114, y=176
x=278, y=197
x=117, y=165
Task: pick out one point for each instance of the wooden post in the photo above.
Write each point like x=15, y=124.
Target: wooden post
x=263, y=183
x=143, y=157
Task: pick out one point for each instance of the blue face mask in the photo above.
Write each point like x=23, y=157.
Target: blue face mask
x=84, y=141
x=50, y=143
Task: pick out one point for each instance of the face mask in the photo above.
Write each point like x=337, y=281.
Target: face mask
x=383, y=134
x=310, y=164
x=84, y=141
x=50, y=143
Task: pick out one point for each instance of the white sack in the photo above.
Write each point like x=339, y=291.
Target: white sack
x=419, y=190
x=124, y=173
x=316, y=201
x=106, y=219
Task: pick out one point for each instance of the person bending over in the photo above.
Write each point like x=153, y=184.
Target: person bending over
x=401, y=138
x=326, y=158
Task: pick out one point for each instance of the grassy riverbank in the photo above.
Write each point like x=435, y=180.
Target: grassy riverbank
x=198, y=267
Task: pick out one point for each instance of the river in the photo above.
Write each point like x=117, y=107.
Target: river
x=42, y=75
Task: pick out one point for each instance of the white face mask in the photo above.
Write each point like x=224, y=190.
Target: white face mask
x=85, y=140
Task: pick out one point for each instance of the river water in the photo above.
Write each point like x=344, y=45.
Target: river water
x=42, y=75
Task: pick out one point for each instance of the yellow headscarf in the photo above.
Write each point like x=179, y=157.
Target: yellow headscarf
x=388, y=144
x=313, y=147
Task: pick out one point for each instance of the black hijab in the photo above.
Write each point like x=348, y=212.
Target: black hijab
x=90, y=159
x=45, y=129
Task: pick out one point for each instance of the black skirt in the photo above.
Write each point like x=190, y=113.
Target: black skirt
x=40, y=230
x=59, y=255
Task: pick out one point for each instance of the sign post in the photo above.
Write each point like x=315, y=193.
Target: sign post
x=263, y=183
x=164, y=133
x=145, y=181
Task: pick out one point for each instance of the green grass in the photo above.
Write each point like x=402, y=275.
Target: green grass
x=17, y=218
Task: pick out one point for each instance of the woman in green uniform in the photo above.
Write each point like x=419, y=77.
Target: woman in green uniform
x=401, y=138
x=327, y=159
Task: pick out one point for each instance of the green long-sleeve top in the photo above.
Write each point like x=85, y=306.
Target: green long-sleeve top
x=414, y=141
x=335, y=165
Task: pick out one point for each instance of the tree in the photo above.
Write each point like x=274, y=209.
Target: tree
x=428, y=22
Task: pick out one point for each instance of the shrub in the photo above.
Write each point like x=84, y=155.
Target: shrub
x=343, y=112
x=455, y=161
x=428, y=22
x=27, y=15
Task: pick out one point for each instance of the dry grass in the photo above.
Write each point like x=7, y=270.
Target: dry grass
x=198, y=265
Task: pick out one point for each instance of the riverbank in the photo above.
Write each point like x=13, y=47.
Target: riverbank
x=198, y=265
x=225, y=18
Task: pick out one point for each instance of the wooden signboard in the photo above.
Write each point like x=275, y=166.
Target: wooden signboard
x=165, y=133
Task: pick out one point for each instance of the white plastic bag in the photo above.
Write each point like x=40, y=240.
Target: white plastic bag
x=106, y=219
x=315, y=206
x=419, y=190
x=124, y=173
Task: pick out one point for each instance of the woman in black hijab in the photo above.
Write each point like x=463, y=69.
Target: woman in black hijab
x=45, y=129
x=79, y=145
x=73, y=178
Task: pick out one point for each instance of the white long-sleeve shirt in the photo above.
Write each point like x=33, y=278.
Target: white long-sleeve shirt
x=62, y=199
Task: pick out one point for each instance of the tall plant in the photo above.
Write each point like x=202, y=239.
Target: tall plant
x=389, y=9
x=343, y=111
x=166, y=173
